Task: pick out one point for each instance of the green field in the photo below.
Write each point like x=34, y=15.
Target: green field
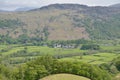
x=98, y=58
x=44, y=50
x=111, y=47
x=64, y=77
x=32, y=52
x=15, y=55
x=36, y=51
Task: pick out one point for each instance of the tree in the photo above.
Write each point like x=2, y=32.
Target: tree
x=35, y=72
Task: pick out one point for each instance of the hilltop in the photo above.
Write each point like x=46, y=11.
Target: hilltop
x=64, y=77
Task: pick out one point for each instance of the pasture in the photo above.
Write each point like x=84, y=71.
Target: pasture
x=20, y=53
x=98, y=58
x=64, y=77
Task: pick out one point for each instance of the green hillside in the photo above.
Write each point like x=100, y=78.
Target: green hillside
x=63, y=22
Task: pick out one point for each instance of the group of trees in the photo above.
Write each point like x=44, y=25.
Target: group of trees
x=9, y=23
x=22, y=39
x=90, y=47
x=116, y=62
x=6, y=73
x=112, y=67
x=37, y=41
x=47, y=65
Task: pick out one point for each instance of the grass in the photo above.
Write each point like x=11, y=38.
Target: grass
x=98, y=58
x=64, y=77
x=2, y=46
x=13, y=50
x=111, y=47
x=117, y=77
x=40, y=50
x=52, y=50
x=43, y=50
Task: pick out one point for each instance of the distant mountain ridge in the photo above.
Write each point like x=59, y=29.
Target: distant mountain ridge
x=63, y=6
x=3, y=11
x=63, y=22
x=24, y=9
x=115, y=5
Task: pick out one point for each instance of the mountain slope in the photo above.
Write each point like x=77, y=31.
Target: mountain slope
x=63, y=22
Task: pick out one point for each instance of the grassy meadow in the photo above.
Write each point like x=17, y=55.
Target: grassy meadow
x=98, y=58
x=105, y=55
x=64, y=77
x=20, y=54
